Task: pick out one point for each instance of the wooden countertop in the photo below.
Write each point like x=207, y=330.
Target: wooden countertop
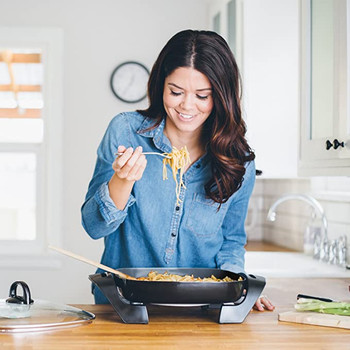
x=262, y=246
x=194, y=328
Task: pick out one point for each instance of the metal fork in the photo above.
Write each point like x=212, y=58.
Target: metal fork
x=148, y=153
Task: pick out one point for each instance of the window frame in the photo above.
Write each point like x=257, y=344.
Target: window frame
x=15, y=253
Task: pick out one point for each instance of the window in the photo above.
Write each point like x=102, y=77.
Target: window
x=30, y=140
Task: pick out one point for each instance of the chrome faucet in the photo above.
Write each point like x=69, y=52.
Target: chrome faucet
x=321, y=244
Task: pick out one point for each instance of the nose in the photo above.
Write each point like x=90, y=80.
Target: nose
x=187, y=102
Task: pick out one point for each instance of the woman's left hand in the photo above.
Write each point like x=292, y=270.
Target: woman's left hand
x=263, y=303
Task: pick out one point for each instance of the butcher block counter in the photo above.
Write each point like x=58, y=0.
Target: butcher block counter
x=195, y=328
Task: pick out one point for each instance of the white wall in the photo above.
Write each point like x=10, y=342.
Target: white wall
x=98, y=35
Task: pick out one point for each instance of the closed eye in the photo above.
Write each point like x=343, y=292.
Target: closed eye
x=175, y=93
x=201, y=97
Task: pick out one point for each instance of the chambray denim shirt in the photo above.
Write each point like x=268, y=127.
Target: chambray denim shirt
x=153, y=230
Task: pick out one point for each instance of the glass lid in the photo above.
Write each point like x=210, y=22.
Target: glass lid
x=22, y=314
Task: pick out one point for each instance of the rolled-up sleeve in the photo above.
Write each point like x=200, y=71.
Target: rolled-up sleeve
x=231, y=255
x=100, y=216
x=108, y=210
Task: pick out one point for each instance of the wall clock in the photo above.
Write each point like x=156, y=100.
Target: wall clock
x=129, y=81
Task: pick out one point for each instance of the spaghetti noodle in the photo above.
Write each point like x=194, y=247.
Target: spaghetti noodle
x=177, y=159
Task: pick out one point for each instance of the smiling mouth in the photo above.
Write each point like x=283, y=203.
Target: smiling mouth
x=186, y=116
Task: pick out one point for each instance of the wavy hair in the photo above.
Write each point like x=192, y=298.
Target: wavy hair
x=224, y=131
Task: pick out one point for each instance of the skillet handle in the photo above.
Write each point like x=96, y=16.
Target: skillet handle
x=254, y=285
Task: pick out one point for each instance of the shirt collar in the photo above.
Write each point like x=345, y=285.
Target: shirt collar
x=157, y=133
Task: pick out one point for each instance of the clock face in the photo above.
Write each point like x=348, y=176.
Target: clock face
x=129, y=82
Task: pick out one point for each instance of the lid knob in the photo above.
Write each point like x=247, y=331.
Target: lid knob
x=17, y=299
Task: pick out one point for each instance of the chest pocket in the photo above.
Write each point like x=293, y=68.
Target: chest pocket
x=204, y=220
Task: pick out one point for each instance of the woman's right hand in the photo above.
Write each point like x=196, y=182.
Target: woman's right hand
x=131, y=164
x=128, y=168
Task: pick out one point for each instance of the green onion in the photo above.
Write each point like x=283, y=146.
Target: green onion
x=314, y=305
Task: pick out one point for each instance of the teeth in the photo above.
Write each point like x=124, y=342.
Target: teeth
x=186, y=116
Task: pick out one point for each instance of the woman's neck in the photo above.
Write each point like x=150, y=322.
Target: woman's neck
x=191, y=141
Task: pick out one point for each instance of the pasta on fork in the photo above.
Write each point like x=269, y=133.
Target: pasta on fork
x=177, y=159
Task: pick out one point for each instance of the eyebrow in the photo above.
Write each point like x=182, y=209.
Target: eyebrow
x=179, y=87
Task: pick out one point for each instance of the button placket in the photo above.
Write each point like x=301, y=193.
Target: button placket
x=174, y=227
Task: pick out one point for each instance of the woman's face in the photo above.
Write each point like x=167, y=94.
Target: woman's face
x=187, y=99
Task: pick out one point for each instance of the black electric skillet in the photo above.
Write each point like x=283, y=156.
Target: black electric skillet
x=173, y=292
x=127, y=296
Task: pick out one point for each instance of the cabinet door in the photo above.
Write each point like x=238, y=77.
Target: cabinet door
x=343, y=65
x=324, y=124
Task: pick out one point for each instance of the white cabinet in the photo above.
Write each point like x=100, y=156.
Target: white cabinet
x=324, y=99
x=270, y=73
x=225, y=18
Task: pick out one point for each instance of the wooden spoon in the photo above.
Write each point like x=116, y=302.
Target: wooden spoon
x=93, y=263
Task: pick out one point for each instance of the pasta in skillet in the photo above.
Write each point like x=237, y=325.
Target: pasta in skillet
x=168, y=277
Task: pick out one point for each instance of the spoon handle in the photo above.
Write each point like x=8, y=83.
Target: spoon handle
x=91, y=262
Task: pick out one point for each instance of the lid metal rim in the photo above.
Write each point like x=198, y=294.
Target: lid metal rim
x=41, y=327
x=47, y=326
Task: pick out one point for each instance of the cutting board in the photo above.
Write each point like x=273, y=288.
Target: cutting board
x=315, y=318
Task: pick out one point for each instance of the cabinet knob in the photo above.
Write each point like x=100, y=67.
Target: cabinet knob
x=335, y=144
x=329, y=145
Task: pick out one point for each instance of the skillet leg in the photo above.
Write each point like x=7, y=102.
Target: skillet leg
x=238, y=313
x=129, y=313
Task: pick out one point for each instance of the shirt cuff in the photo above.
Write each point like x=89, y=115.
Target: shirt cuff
x=232, y=268
x=107, y=207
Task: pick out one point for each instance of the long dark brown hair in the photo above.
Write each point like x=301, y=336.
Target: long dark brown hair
x=224, y=131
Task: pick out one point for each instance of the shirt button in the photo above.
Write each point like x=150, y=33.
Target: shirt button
x=177, y=208
x=173, y=234
x=198, y=166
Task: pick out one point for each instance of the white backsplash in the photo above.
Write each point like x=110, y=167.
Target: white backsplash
x=293, y=216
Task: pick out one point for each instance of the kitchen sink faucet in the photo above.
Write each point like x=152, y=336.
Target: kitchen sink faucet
x=321, y=244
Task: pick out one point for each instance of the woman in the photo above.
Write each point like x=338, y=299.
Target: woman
x=194, y=101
